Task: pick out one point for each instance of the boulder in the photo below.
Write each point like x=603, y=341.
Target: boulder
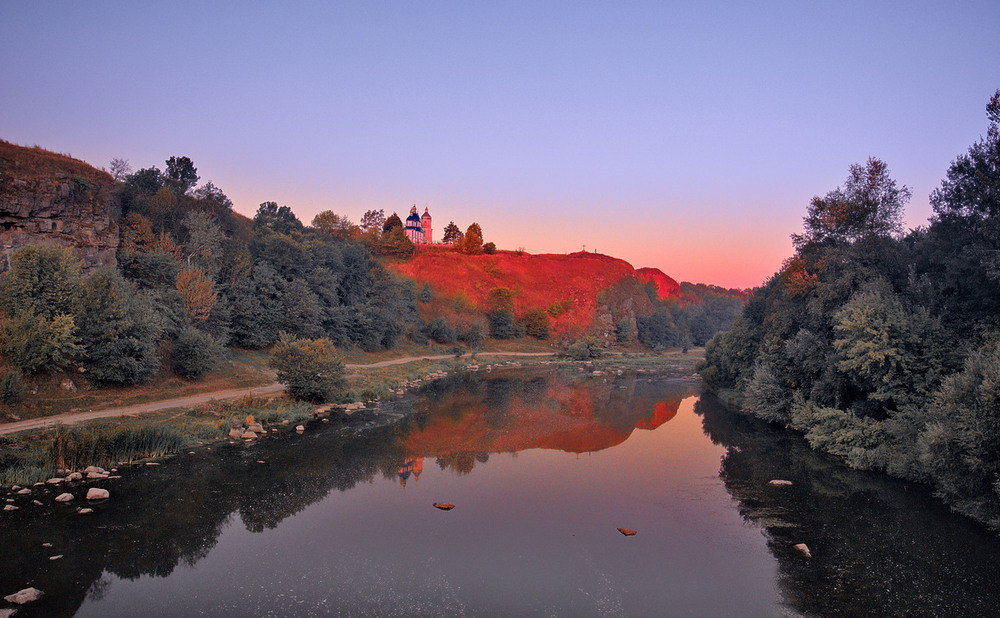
x=96, y=493
x=97, y=475
x=55, y=481
x=256, y=428
x=85, y=511
x=802, y=547
x=36, y=502
x=68, y=385
x=10, y=507
x=75, y=476
x=300, y=428
x=56, y=557
x=152, y=463
x=444, y=506
x=23, y=492
x=626, y=531
x=235, y=433
x=64, y=497
x=779, y=483
x=27, y=595
x=248, y=435
x=96, y=469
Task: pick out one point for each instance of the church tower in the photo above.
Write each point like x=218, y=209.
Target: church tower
x=414, y=230
x=425, y=222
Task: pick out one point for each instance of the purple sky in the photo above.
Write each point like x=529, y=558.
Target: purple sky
x=688, y=138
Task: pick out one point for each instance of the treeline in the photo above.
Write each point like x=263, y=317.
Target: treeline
x=192, y=278
x=882, y=347
x=691, y=318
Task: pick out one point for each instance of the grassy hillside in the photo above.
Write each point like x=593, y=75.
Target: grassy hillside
x=577, y=289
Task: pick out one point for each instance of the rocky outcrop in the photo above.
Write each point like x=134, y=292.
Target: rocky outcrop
x=53, y=199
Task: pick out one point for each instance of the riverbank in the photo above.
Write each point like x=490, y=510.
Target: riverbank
x=148, y=432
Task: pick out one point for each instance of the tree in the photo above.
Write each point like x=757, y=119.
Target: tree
x=181, y=174
x=42, y=280
x=536, y=323
x=119, y=169
x=489, y=248
x=310, y=369
x=277, y=219
x=203, y=246
x=869, y=205
x=332, y=224
x=452, y=234
x=396, y=244
x=197, y=292
x=35, y=343
x=899, y=355
x=472, y=242
x=213, y=198
x=392, y=222
x=426, y=295
x=118, y=328
x=373, y=220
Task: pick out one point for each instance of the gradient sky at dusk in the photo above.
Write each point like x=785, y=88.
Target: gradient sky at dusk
x=684, y=136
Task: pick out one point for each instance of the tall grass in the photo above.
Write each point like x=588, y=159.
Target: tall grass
x=77, y=447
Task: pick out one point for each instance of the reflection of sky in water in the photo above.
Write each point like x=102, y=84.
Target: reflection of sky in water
x=532, y=533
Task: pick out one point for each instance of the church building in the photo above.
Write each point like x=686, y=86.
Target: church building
x=417, y=228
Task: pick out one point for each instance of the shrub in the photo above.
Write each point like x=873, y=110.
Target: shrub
x=11, y=388
x=195, y=353
x=502, y=324
x=536, y=323
x=310, y=369
x=440, y=332
x=490, y=248
x=35, y=343
x=587, y=347
x=471, y=336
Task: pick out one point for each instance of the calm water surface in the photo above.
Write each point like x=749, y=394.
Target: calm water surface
x=542, y=468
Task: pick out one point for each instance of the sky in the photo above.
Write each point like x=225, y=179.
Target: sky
x=685, y=136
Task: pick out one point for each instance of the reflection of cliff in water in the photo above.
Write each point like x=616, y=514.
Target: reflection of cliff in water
x=464, y=420
x=880, y=547
x=164, y=516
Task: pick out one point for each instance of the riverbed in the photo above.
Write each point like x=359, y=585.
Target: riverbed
x=543, y=466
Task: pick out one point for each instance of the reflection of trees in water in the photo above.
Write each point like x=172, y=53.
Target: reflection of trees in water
x=880, y=546
x=161, y=517
x=173, y=514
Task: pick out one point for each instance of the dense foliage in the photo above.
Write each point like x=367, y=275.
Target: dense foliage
x=884, y=348
x=192, y=278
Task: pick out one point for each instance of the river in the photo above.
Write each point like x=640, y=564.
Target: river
x=543, y=467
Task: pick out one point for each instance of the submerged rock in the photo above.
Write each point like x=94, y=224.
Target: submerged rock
x=23, y=492
x=779, y=483
x=64, y=497
x=85, y=511
x=626, y=531
x=96, y=493
x=24, y=596
x=10, y=507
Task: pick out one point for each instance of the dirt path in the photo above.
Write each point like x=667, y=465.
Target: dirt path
x=71, y=418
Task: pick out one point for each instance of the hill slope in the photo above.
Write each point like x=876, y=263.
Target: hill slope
x=582, y=291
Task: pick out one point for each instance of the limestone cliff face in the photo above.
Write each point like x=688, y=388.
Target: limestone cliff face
x=48, y=198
